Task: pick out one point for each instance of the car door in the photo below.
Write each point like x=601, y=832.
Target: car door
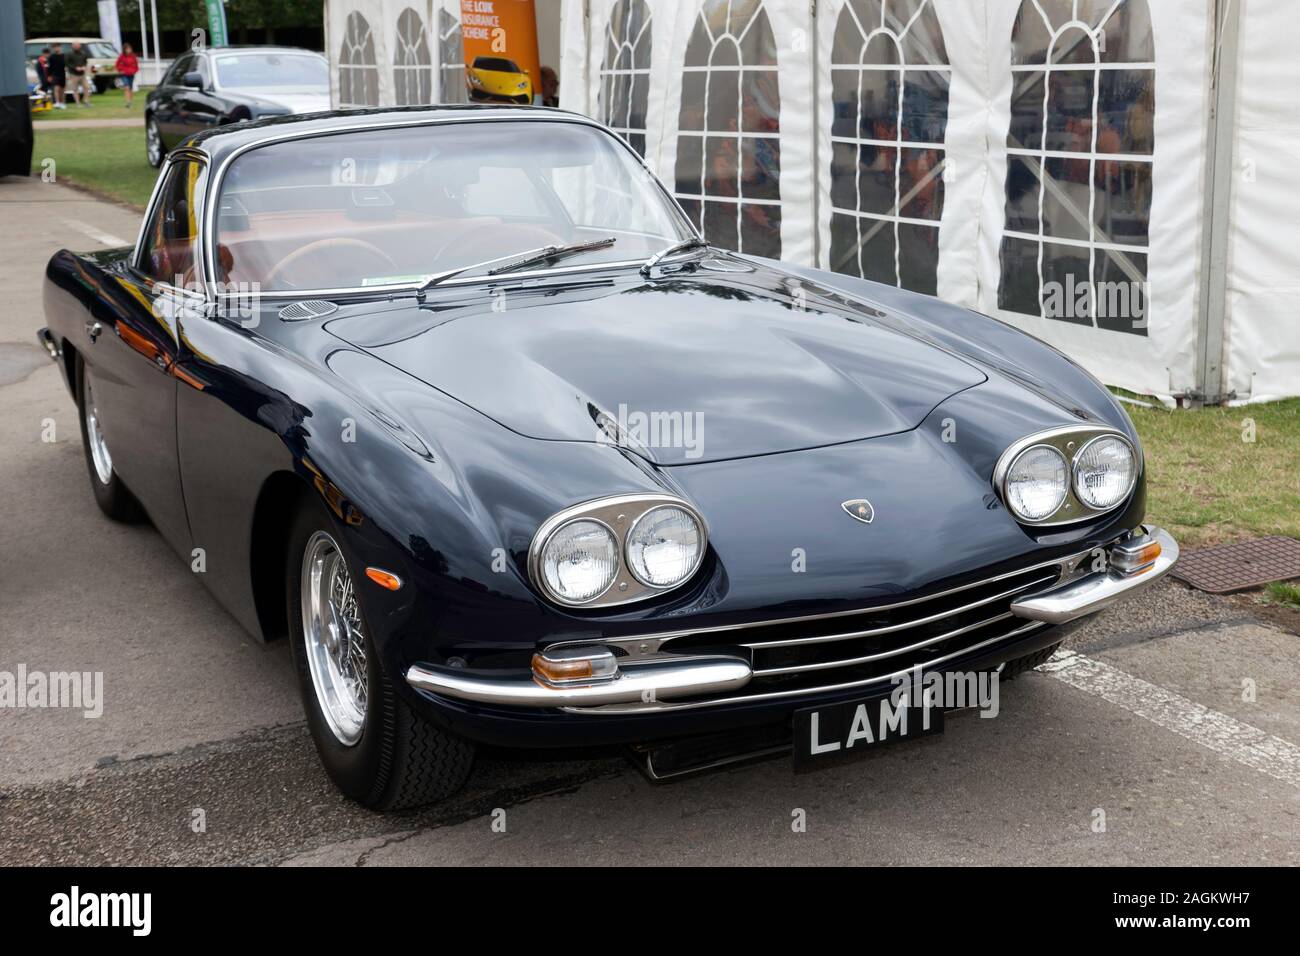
x=166, y=107
x=134, y=352
x=196, y=109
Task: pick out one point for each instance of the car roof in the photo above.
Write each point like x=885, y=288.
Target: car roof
x=66, y=40
x=250, y=48
x=221, y=141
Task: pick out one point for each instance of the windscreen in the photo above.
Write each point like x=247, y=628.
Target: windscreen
x=393, y=206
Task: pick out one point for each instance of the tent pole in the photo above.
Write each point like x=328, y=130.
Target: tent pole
x=1220, y=174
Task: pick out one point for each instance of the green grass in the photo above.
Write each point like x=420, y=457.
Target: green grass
x=1208, y=484
x=1284, y=593
x=110, y=105
x=108, y=161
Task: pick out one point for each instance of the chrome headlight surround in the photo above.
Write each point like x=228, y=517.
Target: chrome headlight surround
x=1070, y=441
x=618, y=513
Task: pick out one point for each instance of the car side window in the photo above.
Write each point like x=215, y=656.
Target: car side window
x=169, y=251
x=178, y=70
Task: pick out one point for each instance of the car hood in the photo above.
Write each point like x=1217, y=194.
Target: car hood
x=708, y=367
x=293, y=100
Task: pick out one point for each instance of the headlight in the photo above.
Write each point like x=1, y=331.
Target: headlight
x=1066, y=474
x=1104, y=472
x=663, y=548
x=475, y=80
x=580, y=561
x=617, y=550
x=1037, y=483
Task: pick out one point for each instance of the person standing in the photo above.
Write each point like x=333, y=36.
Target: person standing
x=80, y=82
x=127, y=67
x=43, y=74
x=58, y=74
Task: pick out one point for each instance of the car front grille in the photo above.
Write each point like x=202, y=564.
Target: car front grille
x=807, y=655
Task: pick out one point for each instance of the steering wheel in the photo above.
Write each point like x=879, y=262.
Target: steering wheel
x=353, y=246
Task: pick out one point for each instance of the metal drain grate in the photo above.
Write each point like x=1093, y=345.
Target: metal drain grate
x=1235, y=567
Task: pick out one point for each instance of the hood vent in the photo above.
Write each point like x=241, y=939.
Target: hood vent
x=308, y=309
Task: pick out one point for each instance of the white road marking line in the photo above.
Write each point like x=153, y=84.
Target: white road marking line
x=1225, y=735
x=104, y=238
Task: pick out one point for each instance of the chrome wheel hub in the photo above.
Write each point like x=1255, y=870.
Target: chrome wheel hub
x=334, y=638
x=99, y=455
x=153, y=141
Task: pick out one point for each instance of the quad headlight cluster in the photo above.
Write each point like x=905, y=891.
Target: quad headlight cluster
x=617, y=550
x=1066, y=474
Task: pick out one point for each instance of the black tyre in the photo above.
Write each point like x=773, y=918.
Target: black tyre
x=111, y=494
x=373, y=746
x=153, y=144
x=1028, y=662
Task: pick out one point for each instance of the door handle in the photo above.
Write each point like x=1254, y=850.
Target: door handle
x=93, y=329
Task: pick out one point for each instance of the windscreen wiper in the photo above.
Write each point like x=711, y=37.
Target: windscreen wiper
x=550, y=253
x=694, y=242
x=516, y=260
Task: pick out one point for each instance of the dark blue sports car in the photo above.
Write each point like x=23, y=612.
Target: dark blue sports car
x=458, y=401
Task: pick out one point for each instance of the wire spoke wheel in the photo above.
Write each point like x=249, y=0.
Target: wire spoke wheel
x=334, y=638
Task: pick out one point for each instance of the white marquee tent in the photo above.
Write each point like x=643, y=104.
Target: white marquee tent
x=1012, y=156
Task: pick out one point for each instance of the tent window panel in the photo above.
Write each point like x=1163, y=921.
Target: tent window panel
x=761, y=230
x=918, y=257
x=1018, y=289
x=920, y=185
x=1026, y=111
x=728, y=101
x=844, y=164
x=1127, y=34
x=720, y=169
x=876, y=182
x=724, y=100
x=1123, y=203
x=878, y=253
x=1022, y=195
x=1069, y=111
x=1067, y=271
x=925, y=106
x=882, y=98
x=878, y=104
x=1120, y=281
x=760, y=102
x=1126, y=112
x=692, y=114
x=720, y=224
x=1066, y=198
x=1091, y=196
x=625, y=72
x=692, y=208
x=760, y=168
x=358, y=71
x=844, y=242
x=690, y=163
x=451, y=74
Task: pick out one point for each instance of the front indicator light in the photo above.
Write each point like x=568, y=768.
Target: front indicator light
x=567, y=665
x=1135, y=557
x=385, y=579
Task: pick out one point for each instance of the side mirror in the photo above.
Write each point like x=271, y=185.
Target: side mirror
x=193, y=79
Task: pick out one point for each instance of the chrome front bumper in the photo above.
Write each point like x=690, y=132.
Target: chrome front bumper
x=667, y=677
x=1090, y=593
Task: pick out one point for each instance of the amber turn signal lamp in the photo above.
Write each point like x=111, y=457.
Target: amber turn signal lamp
x=570, y=664
x=1135, y=560
x=385, y=579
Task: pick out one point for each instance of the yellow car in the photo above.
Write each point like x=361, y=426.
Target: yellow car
x=496, y=78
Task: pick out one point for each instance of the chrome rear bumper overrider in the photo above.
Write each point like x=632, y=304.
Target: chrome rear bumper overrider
x=658, y=681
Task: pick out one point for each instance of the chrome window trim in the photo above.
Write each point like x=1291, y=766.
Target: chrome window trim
x=181, y=154
x=608, y=511
x=207, y=235
x=1059, y=438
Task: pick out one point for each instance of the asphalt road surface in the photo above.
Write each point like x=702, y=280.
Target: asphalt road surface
x=1169, y=734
